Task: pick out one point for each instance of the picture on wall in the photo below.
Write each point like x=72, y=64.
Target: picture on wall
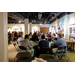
x=72, y=32
x=15, y=29
x=10, y=28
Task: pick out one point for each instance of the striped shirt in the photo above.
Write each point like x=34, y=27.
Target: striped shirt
x=29, y=46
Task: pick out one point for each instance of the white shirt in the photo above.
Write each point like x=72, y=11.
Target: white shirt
x=59, y=31
x=20, y=39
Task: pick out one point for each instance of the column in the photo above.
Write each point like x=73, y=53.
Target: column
x=3, y=37
x=26, y=26
x=26, y=23
x=67, y=27
x=30, y=26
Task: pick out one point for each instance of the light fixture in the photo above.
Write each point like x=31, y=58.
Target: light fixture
x=19, y=21
x=40, y=24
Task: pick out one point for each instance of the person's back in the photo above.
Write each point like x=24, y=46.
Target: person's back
x=61, y=42
x=43, y=43
x=35, y=37
x=20, y=39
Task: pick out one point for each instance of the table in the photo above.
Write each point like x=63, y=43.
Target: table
x=70, y=42
x=48, y=60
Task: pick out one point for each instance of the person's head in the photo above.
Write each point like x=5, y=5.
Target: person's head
x=43, y=36
x=54, y=34
x=50, y=32
x=27, y=36
x=35, y=34
x=58, y=28
x=20, y=35
x=60, y=35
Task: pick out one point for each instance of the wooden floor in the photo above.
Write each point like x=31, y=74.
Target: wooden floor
x=12, y=53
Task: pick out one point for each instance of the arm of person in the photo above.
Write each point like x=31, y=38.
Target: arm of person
x=54, y=42
x=38, y=48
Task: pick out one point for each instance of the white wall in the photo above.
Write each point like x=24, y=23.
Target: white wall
x=36, y=27
x=16, y=26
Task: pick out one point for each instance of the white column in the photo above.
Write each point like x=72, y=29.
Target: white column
x=26, y=26
x=66, y=27
x=3, y=37
x=30, y=27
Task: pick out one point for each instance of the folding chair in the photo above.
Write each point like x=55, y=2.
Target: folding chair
x=16, y=47
x=62, y=54
x=22, y=55
x=46, y=53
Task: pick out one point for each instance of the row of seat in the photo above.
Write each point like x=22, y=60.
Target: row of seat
x=20, y=55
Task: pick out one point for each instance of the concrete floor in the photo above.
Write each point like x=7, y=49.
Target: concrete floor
x=12, y=53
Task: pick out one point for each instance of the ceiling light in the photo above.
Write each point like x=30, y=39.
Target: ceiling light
x=19, y=21
x=40, y=24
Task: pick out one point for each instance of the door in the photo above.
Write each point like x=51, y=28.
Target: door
x=44, y=29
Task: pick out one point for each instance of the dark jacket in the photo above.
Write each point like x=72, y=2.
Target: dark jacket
x=35, y=38
x=43, y=43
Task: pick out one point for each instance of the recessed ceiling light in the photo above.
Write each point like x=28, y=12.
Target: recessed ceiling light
x=40, y=24
x=19, y=21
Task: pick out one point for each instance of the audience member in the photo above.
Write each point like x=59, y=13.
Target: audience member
x=9, y=37
x=43, y=42
x=35, y=37
x=60, y=42
x=30, y=35
x=50, y=34
x=12, y=36
x=28, y=45
x=59, y=31
x=20, y=39
x=15, y=35
x=53, y=37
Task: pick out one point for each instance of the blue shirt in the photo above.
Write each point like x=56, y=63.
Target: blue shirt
x=61, y=42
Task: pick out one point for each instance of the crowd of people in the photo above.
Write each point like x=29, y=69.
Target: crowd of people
x=13, y=36
x=42, y=38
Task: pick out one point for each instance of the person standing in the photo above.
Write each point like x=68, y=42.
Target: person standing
x=9, y=37
x=59, y=31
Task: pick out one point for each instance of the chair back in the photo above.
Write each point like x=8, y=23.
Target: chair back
x=22, y=47
x=62, y=48
x=44, y=50
x=14, y=44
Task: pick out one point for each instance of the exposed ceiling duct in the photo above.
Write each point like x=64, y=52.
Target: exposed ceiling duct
x=39, y=15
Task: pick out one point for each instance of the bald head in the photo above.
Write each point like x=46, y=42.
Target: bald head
x=60, y=35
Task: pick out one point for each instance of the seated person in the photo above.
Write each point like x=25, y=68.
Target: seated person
x=28, y=45
x=20, y=39
x=42, y=44
x=60, y=42
x=53, y=37
x=30, y=35
x=50, y=34
x=35, y=37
